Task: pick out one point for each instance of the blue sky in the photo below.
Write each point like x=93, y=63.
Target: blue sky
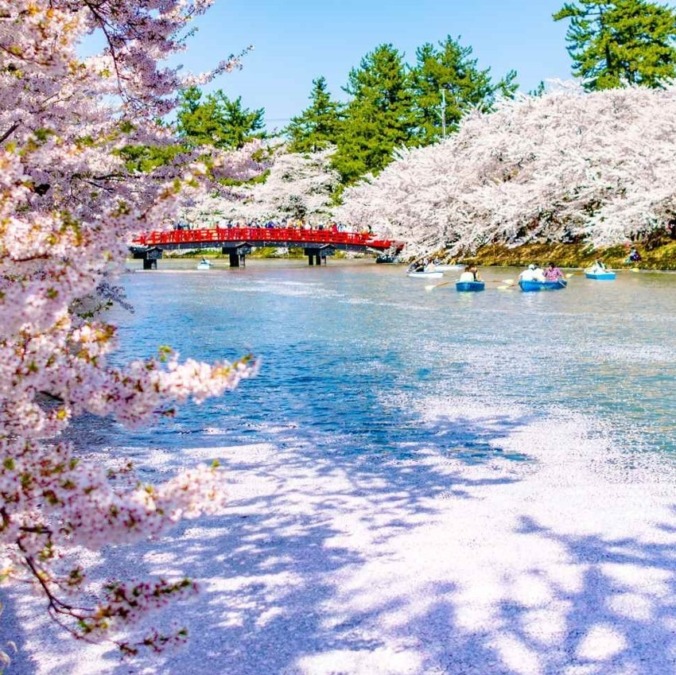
x=298, y=40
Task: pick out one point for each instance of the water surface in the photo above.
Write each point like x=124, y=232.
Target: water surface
x=351, y=353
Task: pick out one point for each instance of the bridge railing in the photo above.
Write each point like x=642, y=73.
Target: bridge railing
x=291, y=235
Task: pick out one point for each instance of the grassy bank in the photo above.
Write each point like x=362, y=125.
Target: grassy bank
x=215, y=253
x=574, y=255
x=262, y=252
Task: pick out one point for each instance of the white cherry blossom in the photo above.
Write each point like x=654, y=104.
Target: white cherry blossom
x=563, y=167
x=68, y=208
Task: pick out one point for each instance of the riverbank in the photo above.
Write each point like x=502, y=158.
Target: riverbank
x=265, y=252
x=574, y=255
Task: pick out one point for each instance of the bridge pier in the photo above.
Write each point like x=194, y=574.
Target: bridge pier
x=317, y=254
x=150, y=256
x=237, y=253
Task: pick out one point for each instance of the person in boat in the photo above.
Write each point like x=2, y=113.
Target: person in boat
x=527, y=274
x=598, y=267
x=470, y=273
x=539, y=274
x=533, y=273
x=553, y=273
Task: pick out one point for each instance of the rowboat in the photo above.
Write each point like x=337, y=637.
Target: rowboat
x=443, y=268
x=529, y=286
x=606, y=275
x=203, y=265
x=425, y=275
x=470, y=286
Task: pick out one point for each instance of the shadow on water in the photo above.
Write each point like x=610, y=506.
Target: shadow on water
x=277, y=559
x=273, y=568
x=277, y=562
x=605, y=627
x=640, y=636
x=12, y=637
x=271, y=562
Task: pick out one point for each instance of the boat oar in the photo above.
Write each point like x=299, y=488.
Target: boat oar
x=431, y=287
x=506, y=284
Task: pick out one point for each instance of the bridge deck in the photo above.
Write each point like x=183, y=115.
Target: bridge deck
x=262, y=236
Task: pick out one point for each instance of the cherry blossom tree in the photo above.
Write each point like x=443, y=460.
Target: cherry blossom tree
x=297, y=186
x=562, y=167
x=68, y=205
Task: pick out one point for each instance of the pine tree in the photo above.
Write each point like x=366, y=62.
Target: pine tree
x=197, y=120
x=447, y=82
x=540, y=90
x=613, y=42
x=319, y=125
x=379, y=116
x=217, y=120
x=240, y=125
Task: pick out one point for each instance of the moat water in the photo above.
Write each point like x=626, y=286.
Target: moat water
x=353, y=353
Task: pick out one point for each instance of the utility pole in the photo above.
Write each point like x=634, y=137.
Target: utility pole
x=443, y=113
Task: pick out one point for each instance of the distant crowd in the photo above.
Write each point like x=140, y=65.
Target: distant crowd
x=294, y=223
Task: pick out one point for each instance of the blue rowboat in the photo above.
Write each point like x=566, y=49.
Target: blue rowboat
x=469, y=286
x=601, y=276
x=530, y=286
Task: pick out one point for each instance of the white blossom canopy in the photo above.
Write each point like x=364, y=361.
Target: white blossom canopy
x=298, y=186
x=566, y=166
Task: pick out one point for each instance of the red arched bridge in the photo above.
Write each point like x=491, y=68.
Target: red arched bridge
x=239, y=242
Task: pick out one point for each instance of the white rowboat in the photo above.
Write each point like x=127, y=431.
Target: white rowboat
x=425, y=275
x=443, y=268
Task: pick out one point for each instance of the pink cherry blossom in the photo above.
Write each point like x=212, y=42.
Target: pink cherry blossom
x=566, y=166
x=295, y=184
x=68, y=208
